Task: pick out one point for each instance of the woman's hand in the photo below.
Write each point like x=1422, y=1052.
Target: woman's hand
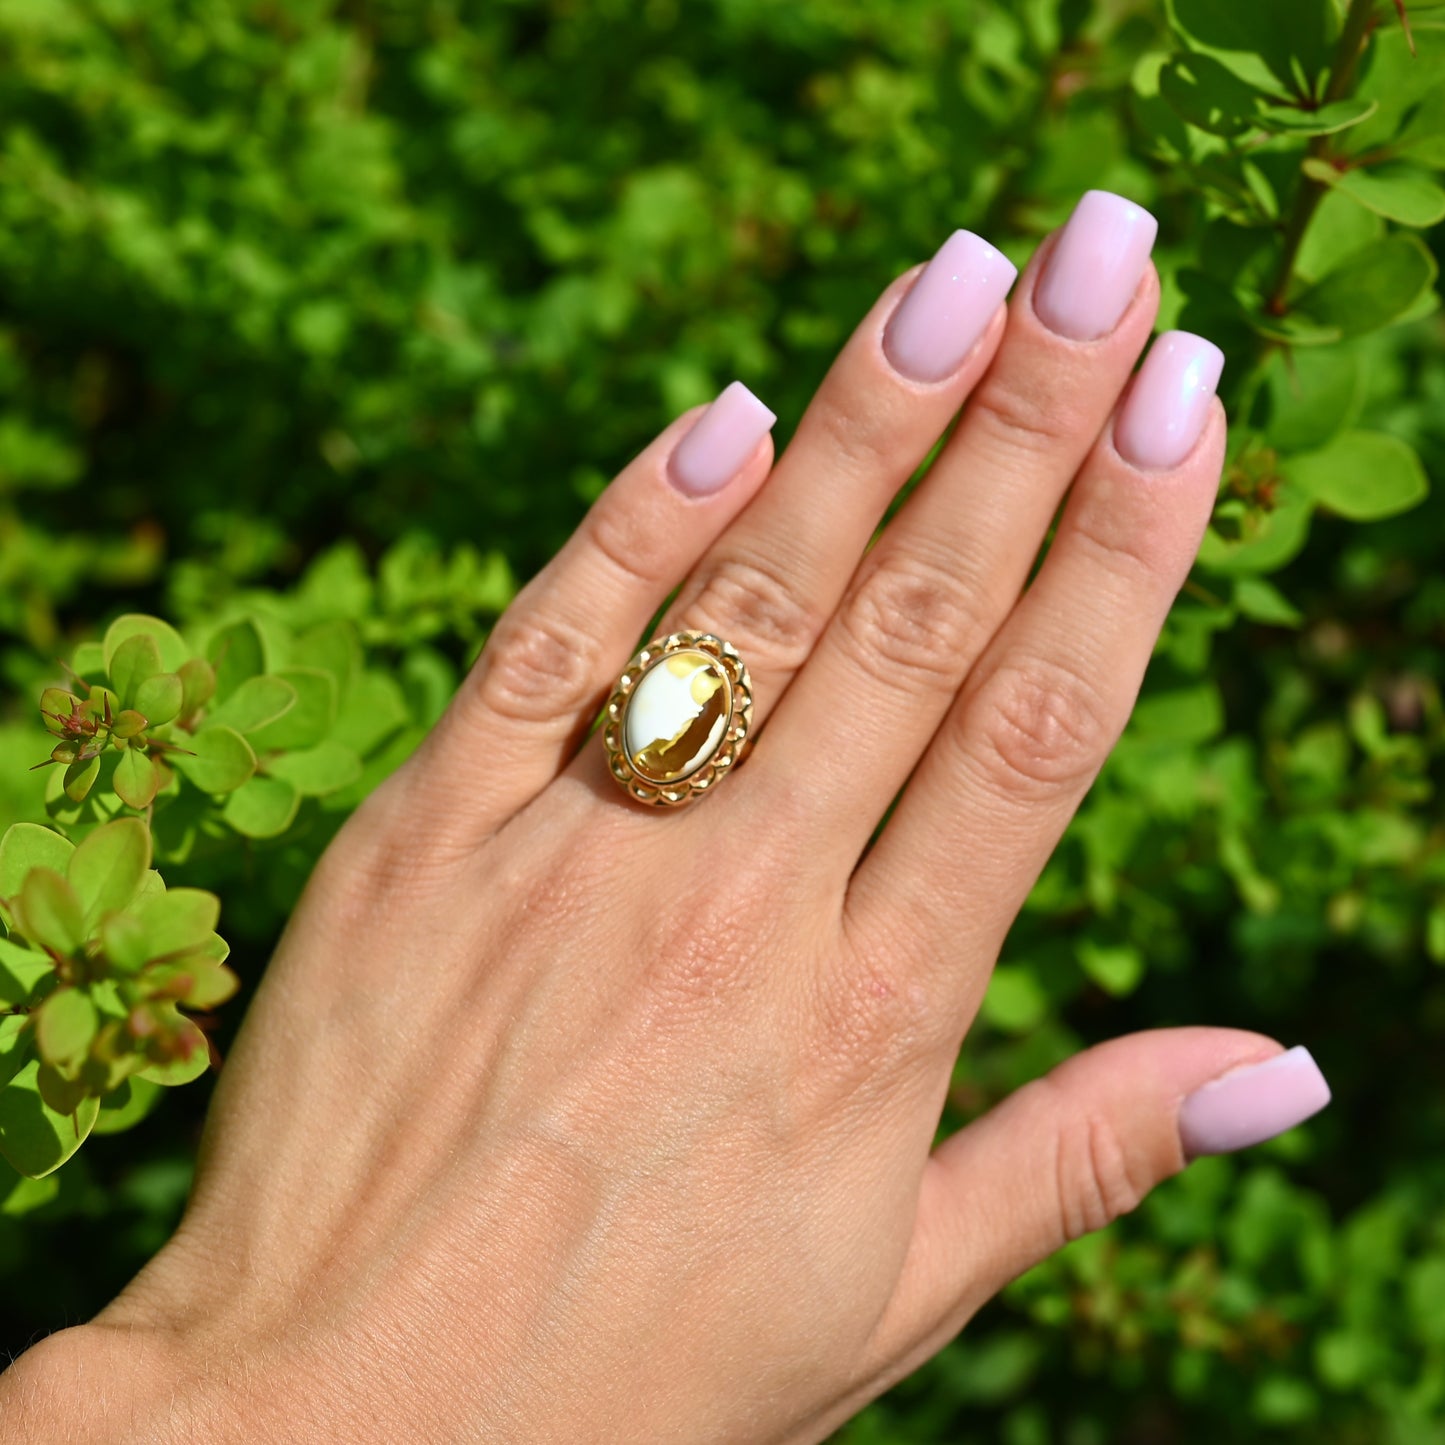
x=559, y=1118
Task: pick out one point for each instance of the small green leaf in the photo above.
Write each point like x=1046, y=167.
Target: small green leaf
x=25, y=1194
x=331, y=647
x=17, y=1046
x=1207, y=95
x=34, y=1138
x=308, y=721
x=255, y=703
x=1311, y=394
x=123, y=1108
x=107, y=869
x=159, y=698
x=1014, y=1002
x=190, y=1064
x=21, y=969
x=169, y=643
x=1189, y=714
x=64, y=1026
x=1401, y=193
x=222, y=760
x=1328, y=119
x=56, y=704
x=177, y=921
x=371, y=710
x=198, y=685
x=1117, y=968
x=49, y=913
x=326, y=768
x=129, y=724
x=237, y=653
x=1370, y=289
x=80, y=777
x=1362, y=475
x=136, y=781
x=1262, y=601
x=26, y=846
x=125, y=941
x=135, y=660
x=263, y=808
x=197, y=981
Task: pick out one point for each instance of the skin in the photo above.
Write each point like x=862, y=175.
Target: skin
x=556, y=1118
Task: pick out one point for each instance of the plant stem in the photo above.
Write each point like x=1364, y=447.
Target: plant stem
x=1359, y=21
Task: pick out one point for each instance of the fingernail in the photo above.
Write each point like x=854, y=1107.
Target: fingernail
x=1094, y=269
x=948, y=308
x=1168, y=403
x=1252, y=1104
x=720, y=442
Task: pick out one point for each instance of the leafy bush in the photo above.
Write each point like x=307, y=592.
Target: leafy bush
x=400, y=273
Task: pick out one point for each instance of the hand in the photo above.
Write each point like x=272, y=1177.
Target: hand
x=559, y=1118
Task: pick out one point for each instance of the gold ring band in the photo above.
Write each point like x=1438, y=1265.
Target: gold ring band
x=679, y=718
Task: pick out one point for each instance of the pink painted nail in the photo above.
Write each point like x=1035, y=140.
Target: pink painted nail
x=948, y=308
x=1252, y=1104
x=1095, y=266
x=721, y=440
x=1168, y=403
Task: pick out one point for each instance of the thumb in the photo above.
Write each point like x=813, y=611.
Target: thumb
x=1072, y=1151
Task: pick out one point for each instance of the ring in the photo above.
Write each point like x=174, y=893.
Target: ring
x=678, y=719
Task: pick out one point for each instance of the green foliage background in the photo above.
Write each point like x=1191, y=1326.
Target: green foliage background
x=295, y=294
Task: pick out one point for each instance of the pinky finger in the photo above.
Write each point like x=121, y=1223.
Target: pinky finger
x=527, y=703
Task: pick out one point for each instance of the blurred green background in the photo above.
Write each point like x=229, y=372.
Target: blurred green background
x=328, y=309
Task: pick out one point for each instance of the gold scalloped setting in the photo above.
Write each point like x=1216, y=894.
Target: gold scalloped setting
x=725, y=659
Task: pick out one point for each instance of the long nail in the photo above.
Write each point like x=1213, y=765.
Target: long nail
x=1168, y=403
x=1095, y=266
x=948, y=308
x=1252, y=1104
x=720, y=442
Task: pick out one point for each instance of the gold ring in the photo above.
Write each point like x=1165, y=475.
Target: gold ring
x=678, y=719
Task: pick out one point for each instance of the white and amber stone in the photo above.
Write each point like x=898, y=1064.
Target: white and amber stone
x=676, y=716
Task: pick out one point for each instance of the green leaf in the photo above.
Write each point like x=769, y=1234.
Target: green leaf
x=255, y=703
x=198, y=982
x=26, y=846
x=169, y=643
x=1014, y=1003
x=222, y=760
x=1322, y=120
x=331, y=647
x=159, y=698
x=48, y=912
x=1310, y=395
x=237, y=653
x=1268, y=541
x=1208, y=95
x=263, y=808
x=1261, y=601
x=1362, y=475
x=136, y=781
x=135, y=660
x=308, y=721
x=1370, y=289
x=317, y=771
x=123, y=1108
x=56, y=703
x=372, y=709
x=17, y=1046
x=125, y=942
x=1401, y=193
x=1118, y=968
x=1191, y=714
x=33, y=1137
x=198, y=685
x=24, y=1194
x=177, y=921
x=80, y=778
x=190, y=1066
x=64, y=1026
x=21, y=969
x=1273, y=46
x=107, y=869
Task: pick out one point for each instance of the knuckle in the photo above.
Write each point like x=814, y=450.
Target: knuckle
x=856, y=442
x=1117, y=537
x=743, y=597
x=628, y=547
x=911, y=616
x=535, y=670
x=1032, y=418
x=1093, y=1175
x=1042, y=729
